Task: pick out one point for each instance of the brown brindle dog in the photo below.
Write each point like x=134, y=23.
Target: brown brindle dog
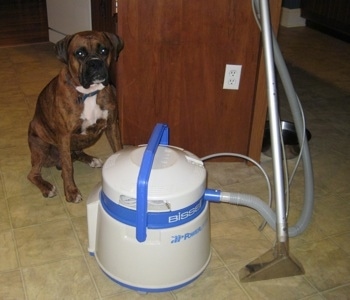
x=74, y=109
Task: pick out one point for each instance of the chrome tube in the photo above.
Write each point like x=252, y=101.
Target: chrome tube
x=274, y=121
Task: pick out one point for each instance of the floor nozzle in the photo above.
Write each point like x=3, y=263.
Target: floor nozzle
x=275, y=263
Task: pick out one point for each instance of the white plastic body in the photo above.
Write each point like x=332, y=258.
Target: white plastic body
x=170, y=257
x=92, y=209
x=156, y=265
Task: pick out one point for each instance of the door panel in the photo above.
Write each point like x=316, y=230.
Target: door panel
x=23, y=22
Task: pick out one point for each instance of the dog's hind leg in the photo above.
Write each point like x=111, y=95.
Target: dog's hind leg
x=39, y=152
x=81, y=156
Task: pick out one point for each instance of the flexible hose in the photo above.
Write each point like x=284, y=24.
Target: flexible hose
x=254, y=202
x=298, y=119
x=293, y=101
x=260, y=206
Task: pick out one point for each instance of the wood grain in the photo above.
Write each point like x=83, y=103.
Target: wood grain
x=172, y=68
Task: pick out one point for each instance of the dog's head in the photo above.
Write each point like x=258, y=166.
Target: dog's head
x=88, y=55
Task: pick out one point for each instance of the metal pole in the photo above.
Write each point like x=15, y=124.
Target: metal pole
x=274, y=121
x=277, y=262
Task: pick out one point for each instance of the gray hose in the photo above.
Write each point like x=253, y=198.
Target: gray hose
x=254, y=202
x=261, y=207
x=293, y=101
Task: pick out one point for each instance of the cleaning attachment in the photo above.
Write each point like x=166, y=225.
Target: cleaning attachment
x=278, y=262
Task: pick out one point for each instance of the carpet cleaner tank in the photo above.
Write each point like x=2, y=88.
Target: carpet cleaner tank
x=148, y=222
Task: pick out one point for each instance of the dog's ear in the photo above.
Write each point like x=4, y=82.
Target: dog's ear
x=61, y=48
x=117, y=43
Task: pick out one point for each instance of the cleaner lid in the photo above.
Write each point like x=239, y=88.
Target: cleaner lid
x=156, y=177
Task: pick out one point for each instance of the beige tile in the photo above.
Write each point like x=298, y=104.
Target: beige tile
x=341, y=293
x=34, y=209
x=133, y=295
x=307, y=53
x=238, y=240
x=222, y=211
x=11, y=286
x=14, y=127
x=4, y=215
x=76, y=210
x=8, y=257
x=212, y=284
x=333, y=219
x=326, y=265
x=31, y=103
x=17, y=184
x=267, y=231
x=104, y=284
x=63, y=279
x=29, y=53
x=227, y=174
x=16, y=169
x=10, y=119
x=215, y=260
x=14, y=137
x=86, y=178
x=81, y=229
x=33, y=88
x=284, y=288
x=46, y=243
x=312, y=233
x=12, y=99
x=343, y=241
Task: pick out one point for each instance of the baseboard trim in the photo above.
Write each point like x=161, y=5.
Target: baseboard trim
x=291, y=18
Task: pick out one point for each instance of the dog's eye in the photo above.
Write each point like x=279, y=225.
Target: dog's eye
x=104, y=51
x=80, y=53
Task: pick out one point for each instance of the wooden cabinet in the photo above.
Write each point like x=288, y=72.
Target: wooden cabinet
x=23, y=22
x=103, y=15
x=172, y=68
x=330, y=15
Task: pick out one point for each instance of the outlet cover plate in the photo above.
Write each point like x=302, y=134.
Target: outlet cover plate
x=232, y=77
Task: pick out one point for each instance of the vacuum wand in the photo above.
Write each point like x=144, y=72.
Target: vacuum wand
x=274, y=121
x=277, y=262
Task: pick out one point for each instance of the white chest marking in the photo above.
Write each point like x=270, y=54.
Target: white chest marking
x=91, y=113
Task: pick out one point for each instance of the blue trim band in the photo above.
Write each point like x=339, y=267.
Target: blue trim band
x=153, y=290
x=155, y=220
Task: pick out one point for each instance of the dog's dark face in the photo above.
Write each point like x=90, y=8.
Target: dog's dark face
x=88, y=55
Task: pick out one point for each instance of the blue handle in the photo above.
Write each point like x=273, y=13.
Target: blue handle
x=160, y=135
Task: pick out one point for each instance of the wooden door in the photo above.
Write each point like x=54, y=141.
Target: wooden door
x=103, y=15
x=172, y=68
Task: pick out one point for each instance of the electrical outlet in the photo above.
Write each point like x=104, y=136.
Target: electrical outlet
x=232, y=77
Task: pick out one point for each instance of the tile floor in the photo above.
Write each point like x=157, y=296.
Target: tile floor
x=43, y=243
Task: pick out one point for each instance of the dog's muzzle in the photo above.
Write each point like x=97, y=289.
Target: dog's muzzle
x=94, y=71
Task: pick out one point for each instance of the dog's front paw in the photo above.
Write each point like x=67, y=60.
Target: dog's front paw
x=74, y=197
x=96, y=163
x=52, y=192
x=78, y=198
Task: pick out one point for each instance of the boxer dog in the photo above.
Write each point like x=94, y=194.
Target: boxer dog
x=74, y=109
